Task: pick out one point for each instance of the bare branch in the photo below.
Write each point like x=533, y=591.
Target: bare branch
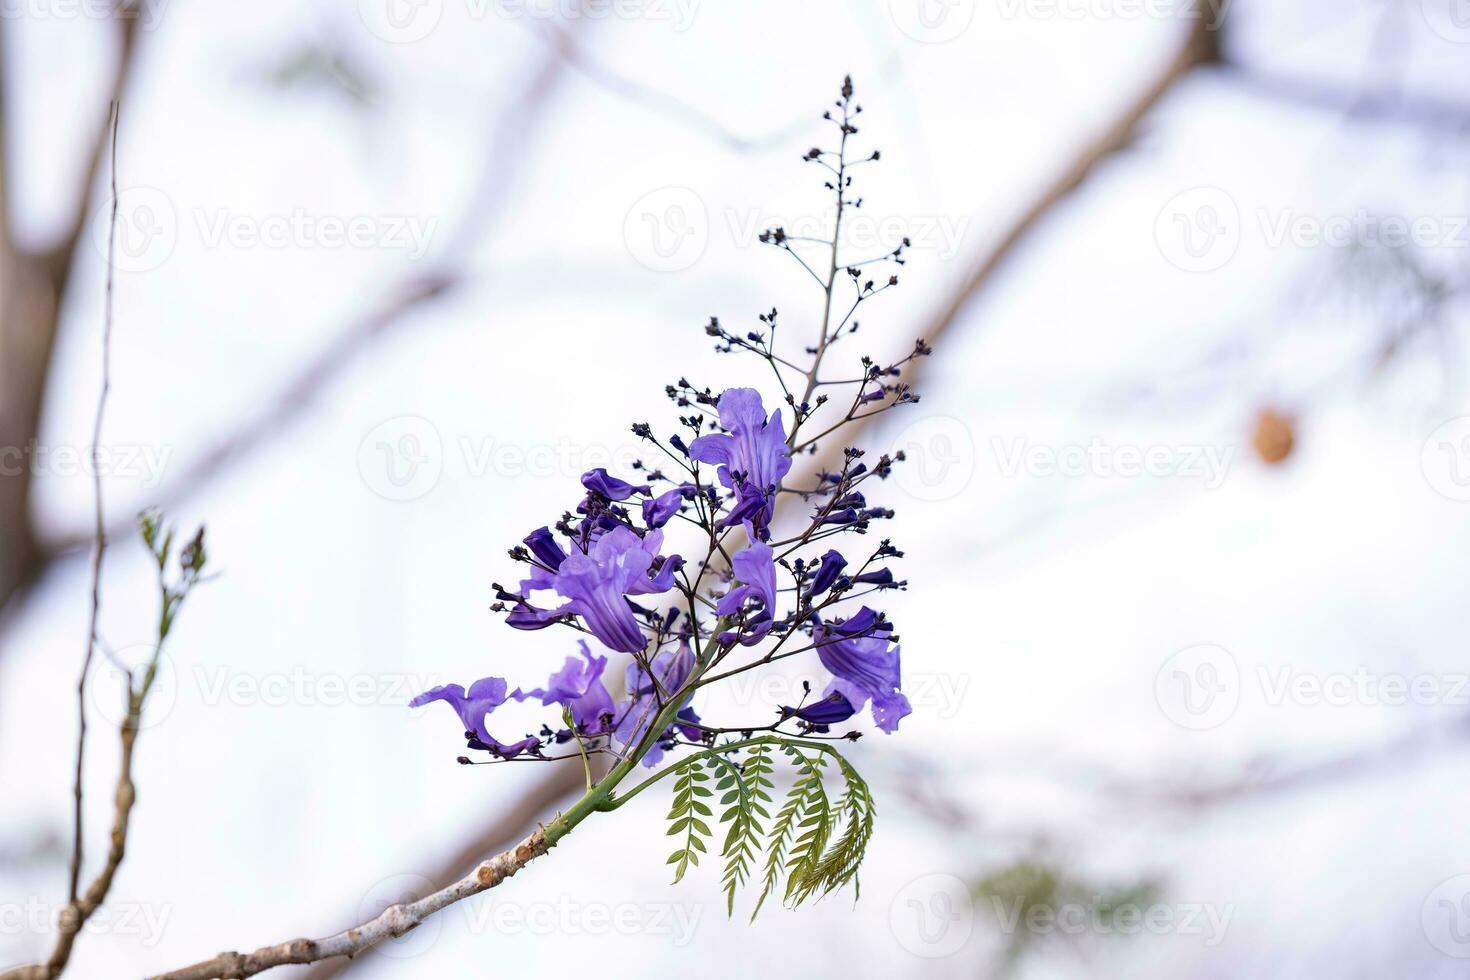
x=101, y=543
x=554, y=789
x=393, y=922
x=517, y=118
x=33, y=288
x=1202, y=46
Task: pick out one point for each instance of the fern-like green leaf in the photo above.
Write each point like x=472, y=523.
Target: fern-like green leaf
x=744, y=793
x=840, y=863
x=787, y=819
x=818, y=822
x=685, y=813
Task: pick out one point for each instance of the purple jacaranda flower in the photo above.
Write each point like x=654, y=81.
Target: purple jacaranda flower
x=597, y=584
x=880, y=576
x=672, y=668
x=658, y=511
x=599, y=482
x=755, y=570
x=864, y=665
x=578, y=686
x=752, y=457
x=483, y=697
x=831, y=567
x=525, y=616
x=542, y=544
x=830, y=710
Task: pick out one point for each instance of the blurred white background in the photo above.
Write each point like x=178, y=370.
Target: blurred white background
x=1231, y=682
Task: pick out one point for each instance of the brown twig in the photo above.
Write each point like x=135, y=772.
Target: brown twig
x=1202, y=46
x=34, y=285
x=80, y=907
x=554, y=788
x=393, y=313
x=100, y=545
x=393, y=922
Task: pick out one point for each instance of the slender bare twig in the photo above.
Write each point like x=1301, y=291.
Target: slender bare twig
x=1200, y=47
x=79, y=907
x=400, y=918
x=100, y=545
x=35, y=283
x=523, y=112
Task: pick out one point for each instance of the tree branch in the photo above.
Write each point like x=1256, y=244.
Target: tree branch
x=33, y=289
x=555, y=788
x=523, y=112
x=393, y=922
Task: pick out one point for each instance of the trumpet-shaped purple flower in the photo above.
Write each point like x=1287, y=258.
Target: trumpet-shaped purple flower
x=752, y=456
x=864, y=665
x=672, y=668
x=658, y=511
x=599, y=482
x=755, y=570
x=483, y=697
x=598, y=583
x=578, y=686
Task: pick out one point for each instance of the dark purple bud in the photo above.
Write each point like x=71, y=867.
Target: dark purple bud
x=543, y=545
x=831, y=710
x=832, y=566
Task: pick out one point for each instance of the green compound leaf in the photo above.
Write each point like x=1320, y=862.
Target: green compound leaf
x=744, y=794
x=684, y=815
x=815, y=842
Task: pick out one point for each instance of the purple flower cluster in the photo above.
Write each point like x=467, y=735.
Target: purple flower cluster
x=591, y=569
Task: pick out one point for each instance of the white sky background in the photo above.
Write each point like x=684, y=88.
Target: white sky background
x=1043, y=607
